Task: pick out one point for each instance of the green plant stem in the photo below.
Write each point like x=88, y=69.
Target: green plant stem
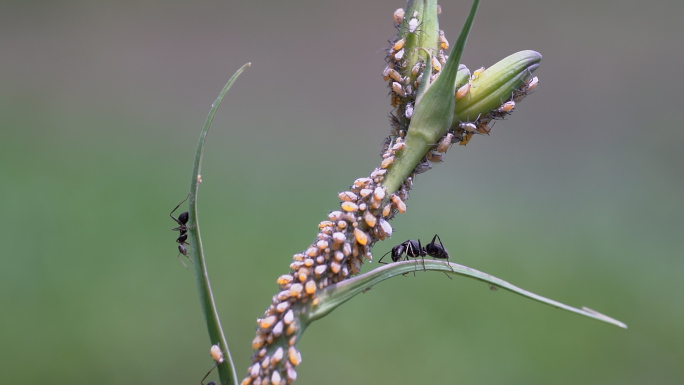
x=227, y=374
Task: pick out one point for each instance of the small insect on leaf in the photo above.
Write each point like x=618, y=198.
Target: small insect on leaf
x=398, y=16
x=463, y=91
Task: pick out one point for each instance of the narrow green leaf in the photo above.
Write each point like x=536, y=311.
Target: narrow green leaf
x=227, y=373
x=335, y=295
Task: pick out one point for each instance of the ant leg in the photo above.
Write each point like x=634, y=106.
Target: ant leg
x=176, y=208
x=207, y=375
x=445, y=252
x=380, y=261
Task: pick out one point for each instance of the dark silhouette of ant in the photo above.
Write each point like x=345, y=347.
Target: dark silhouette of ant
x=414, y=249
x=182, y=221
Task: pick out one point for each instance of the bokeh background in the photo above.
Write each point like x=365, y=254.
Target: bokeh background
x=577, y=197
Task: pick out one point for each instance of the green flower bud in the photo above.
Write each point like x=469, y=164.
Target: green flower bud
x=497, y=84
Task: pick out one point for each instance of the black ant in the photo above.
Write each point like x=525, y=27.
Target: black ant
x=414, y=249
x=182, y=221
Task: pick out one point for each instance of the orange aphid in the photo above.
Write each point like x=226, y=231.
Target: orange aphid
x=463, y=91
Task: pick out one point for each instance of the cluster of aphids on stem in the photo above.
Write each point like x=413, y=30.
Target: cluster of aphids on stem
x=403, y=84
x=464, y=131
x=342, y=244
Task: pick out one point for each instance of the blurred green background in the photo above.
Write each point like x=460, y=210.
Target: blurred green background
x=577, y=197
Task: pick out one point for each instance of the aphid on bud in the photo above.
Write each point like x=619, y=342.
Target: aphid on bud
x=360, y=236
x=397, y=146
x=478, y=72
x=398, y=55
x=409, y=110
x=385, y=73
x=275, y=378
x=360, y=182
x=436, y=65
x=394, y=75
x=413, y=23
x=463, y=91
x=467, y=126
x=507, y=107
x=398, y=16
x=349, y=206
x=398, y=89
x=442, y=58
x=398, y=203
x=294, y=356
x=285, y=279
x=532, y=84
x=443, y=42
x=415, y=70
x=398, y=45
x=439, y=9
x=445, y=143
x=310, y=287
x=346, y=196
x=265, y=323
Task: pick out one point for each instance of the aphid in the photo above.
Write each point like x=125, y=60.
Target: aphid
x=398, y=17
x=532, y=84
x=415, y=70
x=394, y=75
x=467, y=126
x=443, y=42
x=182, y=228
x=442, y=58
x=199, y=178
x=398, y=55
x=445, y=143
x=507, y=107
x=478, y=72
x=398, y=89
x=409, y=110
x=414, y=249
x=439, y=9
x=398, y=45
x=463, y=91
x=413, y=23
x=436, y=65
x=217, y=355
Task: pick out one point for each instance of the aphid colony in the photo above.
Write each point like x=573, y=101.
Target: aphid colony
x=464, y=131
x=343, y=242
x=403, y=84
